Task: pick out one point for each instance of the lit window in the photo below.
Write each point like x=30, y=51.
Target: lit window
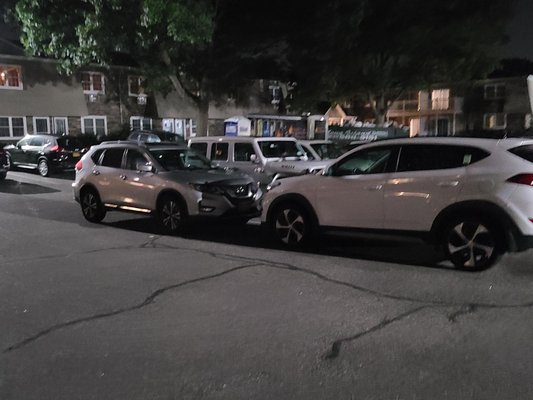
x=495, y=121
x=494, y=91
x=92, y=82
x=10, y=77
x=440, y=99
x=94, y=125
x=136, y=85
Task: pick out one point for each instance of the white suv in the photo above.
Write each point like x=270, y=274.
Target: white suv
x=172, y=182
x=472, y=196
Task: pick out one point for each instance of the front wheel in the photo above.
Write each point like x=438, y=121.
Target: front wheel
x=92, y=208
x=43, y=167
x=291, y=225
x=171, y=215
x=472, y=243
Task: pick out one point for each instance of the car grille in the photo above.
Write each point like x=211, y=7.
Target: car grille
x=240, y=191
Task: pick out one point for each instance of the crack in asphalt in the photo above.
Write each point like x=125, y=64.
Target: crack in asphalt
x=336, y=346
x=152, y=243
x=148, y=300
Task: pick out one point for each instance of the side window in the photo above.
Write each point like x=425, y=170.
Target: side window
x=219, y=151
x=433, y=157
x=199, y=147
x=133, y=157
x=243, y=151
x=36, y=141
x=112, y=158
x=23, y=142
x=96, y=155
x=369, y=161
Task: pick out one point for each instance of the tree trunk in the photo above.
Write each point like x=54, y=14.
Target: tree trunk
x=381, y=110
x=203, y=116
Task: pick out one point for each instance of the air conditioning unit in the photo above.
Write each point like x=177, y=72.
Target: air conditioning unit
x=141, y=99
x=92, y=98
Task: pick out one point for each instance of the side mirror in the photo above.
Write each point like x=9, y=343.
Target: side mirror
x=253, y=158
x=144, y=166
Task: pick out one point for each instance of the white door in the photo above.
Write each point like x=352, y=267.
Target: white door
x=351, y=195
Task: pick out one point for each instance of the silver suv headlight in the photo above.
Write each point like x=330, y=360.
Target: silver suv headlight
x=205, y=188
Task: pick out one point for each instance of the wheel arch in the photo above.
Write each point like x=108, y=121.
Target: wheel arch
x=174, y=193
x=296, y=198
x=480, y=208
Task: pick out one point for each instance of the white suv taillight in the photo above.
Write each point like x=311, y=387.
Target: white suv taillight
x=79, y=166
x=523, y=179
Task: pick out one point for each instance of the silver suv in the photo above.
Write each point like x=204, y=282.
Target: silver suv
x=172, y=182
x=263, y=158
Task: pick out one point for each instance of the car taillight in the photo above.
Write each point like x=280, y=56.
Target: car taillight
x=56, y=148
x=522, y=179
x=79, y=166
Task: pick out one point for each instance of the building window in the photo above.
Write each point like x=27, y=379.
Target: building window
x=440, y=99
x=41, y=125
x=92, y=82
x=495, y=121
x=12, y=126
x=94, y=126
x=136, y=85
x=494, y=91
x=10, y=77
x=137, y=123
x=60, y=125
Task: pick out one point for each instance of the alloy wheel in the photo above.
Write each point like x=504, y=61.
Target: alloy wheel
x=89, y=205
x=471, y=245
x=43, y=168
x=171, y=215
x=290, y=226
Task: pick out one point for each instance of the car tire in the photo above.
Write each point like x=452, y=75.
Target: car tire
x=171, y=214
x=472, y=243
x=10, y=165
x=292, y=225
x=3, y=175
x=91, y=206
x=43, y=167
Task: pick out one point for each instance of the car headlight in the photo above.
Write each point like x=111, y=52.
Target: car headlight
x=206, y=188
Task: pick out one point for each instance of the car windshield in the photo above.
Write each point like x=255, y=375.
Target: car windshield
x=180, y=159
x=281, y=149
x=327, y=151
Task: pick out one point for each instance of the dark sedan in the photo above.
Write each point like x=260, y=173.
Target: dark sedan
x=45, y=153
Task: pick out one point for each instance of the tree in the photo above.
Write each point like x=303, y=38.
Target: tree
x=172, y=40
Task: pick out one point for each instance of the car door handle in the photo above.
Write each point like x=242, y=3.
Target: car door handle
x=123, y=177
x=374, y=187
x=448, y=183
x=96, y=172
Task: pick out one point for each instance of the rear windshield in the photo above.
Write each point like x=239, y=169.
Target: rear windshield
x=525, y=152
x=69, y=143
x=327, y=151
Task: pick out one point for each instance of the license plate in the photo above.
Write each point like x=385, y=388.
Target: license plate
x=75, y=154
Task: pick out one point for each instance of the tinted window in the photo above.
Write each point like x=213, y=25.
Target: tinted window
x=36, y=141
x=180, y=159
x=113, y=158
x=327, y=151
x=133, y=157
x=69, y=143
x=370, y=161
x=219, y=151
x=199, y=147
x=431, y=157
x=280, y=148
x=243, y=151
x=525, y=152
x=96, y=155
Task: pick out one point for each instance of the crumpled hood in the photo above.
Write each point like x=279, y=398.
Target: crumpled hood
x=226, y=177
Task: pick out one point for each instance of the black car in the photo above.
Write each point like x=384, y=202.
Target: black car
x=155, y=136
x=4, y=165
x=45, y=153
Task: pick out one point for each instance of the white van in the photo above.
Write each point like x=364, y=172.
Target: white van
x=263, y=158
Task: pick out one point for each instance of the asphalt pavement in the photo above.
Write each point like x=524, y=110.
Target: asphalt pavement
x=118, y=311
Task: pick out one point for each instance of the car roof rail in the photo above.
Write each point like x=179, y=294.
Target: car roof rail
x=121, y=142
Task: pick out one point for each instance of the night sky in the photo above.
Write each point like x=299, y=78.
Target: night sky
x=520, y=32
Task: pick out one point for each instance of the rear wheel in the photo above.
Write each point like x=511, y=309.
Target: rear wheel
x=92, y=208
x=10, y=164
x=43, y=167
x=472, y=243
x=291, y=225
x=171, y=214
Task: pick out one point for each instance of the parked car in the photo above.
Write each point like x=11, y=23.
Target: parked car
x=321, y=149
x=4, y=165
x=474, y=197
x=172, y=182
x=263, y=158
x=46, y=153
x=154, y=136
